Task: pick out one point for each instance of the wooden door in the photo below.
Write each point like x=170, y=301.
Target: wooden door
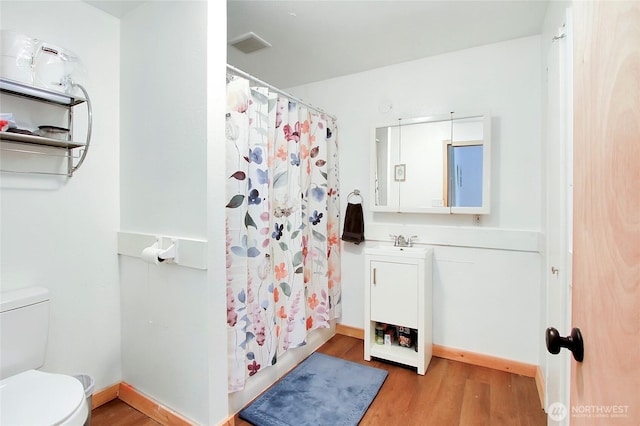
x=605, y=388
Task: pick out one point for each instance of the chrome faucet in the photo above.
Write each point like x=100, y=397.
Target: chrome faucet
x=402, y=241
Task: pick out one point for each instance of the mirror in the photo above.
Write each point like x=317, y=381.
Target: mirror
x=432, y=165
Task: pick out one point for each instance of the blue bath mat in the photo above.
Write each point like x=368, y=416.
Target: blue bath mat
x=322, y=390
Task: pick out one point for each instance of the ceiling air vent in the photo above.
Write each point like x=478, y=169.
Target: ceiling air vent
x=249, y=42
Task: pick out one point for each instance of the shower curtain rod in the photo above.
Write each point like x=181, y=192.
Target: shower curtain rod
x=275, y=89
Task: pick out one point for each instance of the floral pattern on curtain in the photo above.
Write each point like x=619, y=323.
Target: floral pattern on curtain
x=282, y=226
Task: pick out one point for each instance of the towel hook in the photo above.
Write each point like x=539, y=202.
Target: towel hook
x=354, y=193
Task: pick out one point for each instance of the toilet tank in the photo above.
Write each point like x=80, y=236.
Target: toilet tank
x=24, y=327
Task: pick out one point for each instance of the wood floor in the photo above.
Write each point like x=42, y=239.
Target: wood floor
x=117, y=413
x=451, y=393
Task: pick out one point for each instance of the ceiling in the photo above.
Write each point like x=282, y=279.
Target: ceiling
x=115, y=7
x=315, y=40
x=318, y=40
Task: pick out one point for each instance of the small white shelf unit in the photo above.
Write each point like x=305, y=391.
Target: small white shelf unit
x=398, y=292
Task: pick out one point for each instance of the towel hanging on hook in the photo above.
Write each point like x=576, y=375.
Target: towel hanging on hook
x=353, y=220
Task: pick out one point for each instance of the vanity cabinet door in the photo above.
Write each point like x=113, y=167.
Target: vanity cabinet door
x=394, y=293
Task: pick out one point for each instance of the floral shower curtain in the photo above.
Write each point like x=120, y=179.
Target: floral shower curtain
x=282, y=224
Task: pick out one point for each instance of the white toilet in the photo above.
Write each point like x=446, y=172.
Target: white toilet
x=28, y=396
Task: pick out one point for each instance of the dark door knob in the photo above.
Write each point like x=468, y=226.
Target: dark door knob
x=573, y=342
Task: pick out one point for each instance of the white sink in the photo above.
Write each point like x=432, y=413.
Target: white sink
x=398, y=251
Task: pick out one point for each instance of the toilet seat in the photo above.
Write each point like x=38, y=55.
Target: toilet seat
x=38, y=398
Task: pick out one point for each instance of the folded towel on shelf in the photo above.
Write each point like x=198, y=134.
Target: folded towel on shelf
x=353, y=224
x=7, y=121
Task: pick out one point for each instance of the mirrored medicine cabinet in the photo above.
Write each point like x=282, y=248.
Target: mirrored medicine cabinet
x=439, y=164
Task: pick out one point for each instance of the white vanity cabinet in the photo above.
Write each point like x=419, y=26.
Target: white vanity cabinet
x=398, y=293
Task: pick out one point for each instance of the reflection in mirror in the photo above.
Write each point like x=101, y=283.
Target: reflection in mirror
x=432, y=165
x=382, y=159
x=466, y=174
x=464, y=163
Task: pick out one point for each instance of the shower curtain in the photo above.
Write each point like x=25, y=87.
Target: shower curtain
x=282, y=226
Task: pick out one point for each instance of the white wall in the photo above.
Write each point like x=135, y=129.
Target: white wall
x=59, y=233
x=163, y=110
x=167, y=310
x=485, y=300
x=216, y=179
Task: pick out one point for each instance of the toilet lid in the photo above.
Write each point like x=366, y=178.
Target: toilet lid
x=38, y=398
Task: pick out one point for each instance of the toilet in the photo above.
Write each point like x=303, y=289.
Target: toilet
x=29, y=396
